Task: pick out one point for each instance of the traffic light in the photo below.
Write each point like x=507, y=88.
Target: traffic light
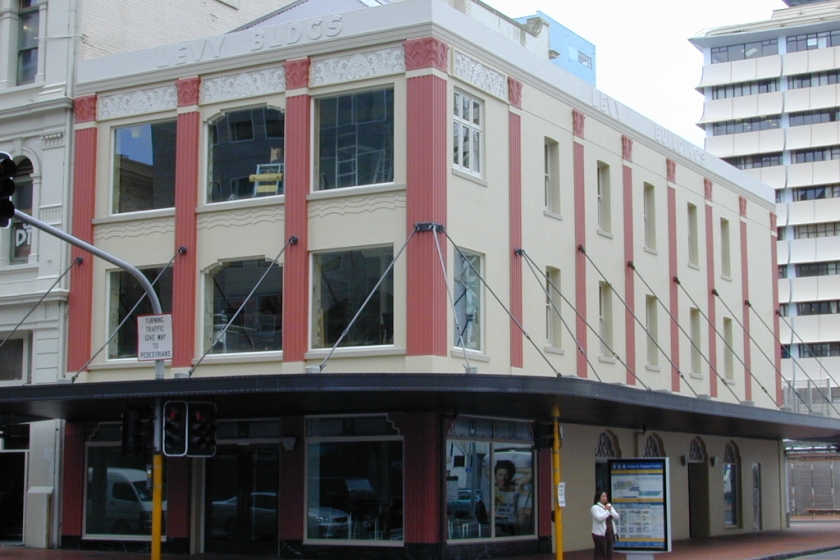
x=137, y=428
x=7, y=189
x=543, y=434
x=175, y=428
x=202, y=430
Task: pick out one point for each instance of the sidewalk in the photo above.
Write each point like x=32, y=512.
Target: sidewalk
x=804, y=536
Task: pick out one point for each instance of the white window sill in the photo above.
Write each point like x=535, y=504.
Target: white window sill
x=122, y=363
x=695, y=375
x=653, y=368
x=651, y=250
x=605, y=233
x=554, y=350
x=726, y=277
x=242, y=357
x=473, y=355
x=355, y=352
x=606, y=359
x=551, y=214
x=241, y=203
x=694, y=266
x=131, y=216
x=470, y=177
x=354, y=191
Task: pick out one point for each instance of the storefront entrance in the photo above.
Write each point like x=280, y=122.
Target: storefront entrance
x=241, y=497
x=12, y=489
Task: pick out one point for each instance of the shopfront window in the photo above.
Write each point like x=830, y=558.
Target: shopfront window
x=144, y=167
x=246, y=157
x=257, y=327
x=118, y=498
x=489, y=480
x=341, y=282
x=355, y=479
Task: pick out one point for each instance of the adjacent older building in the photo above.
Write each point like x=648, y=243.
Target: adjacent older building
x=394, y=246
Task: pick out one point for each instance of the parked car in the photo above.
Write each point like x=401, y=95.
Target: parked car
x=128, y=502
x=327, y=523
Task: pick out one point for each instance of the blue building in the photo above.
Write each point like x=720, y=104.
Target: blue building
x=568, y=50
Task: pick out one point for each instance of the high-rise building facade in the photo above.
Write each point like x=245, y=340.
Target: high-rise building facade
x=772, y=108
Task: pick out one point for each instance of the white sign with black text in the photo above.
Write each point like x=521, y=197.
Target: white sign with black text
x=154, y=337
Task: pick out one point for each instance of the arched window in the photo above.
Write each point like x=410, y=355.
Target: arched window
x=654, y=446
x=21, y=234
x=731, y=485
x=607, y=448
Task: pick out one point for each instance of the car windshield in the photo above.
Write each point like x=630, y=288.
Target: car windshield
x=142, y=491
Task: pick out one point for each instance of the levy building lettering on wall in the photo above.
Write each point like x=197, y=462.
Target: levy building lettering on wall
x=263, y=38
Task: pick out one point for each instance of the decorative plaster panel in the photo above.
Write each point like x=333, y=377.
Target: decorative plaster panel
x=356, y=205
x=245, y=84
x=482, y=77
x=241, y=218
x=50, y=215
x=52, y=140
x=138, y=102
x=134, y=229
x=358, y=66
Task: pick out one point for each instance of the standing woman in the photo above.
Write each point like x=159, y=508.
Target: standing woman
x=603, y=533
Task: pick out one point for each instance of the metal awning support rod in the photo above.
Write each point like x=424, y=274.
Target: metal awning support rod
x=147, y=286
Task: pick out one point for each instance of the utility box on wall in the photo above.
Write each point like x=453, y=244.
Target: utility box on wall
x=38, y=519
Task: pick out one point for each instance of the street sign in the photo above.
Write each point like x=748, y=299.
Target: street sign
x=154, y=337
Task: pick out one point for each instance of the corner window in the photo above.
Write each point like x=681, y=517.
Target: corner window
x=28, y=23
x=354, y=479
x=341, y=282
x=468, y=304
x=355, y=139
x=144, y=167
x=467, y=127
x=246, y=158
x=126, y=293
x=257, y=326
x=14, y=358
x=489, y=479
x=21, y=233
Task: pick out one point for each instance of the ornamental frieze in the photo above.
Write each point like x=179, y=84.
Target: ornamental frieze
x=139, y=102
x=245, y=84
x=479, y=75
x=358, y=66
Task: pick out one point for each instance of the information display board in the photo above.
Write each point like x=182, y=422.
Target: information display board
x=640, y=494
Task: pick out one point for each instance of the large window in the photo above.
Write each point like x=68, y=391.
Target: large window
x=354, y=486
x=257, y=321
x=246, y=154
x=14, y=357
x=144, y=167
x=816, y=154
x=755, y=161
x=21, y=233
x=811, y=41
x=728, y=350
x=355, y=139
x=468, y=304
x=467, y=126
x=812, y=231
x=743, y=51
x=341, y=281
x=126, y=292
x=693, y=235
x=695, y=341
x=118, y=499
x=489, y=479
x=745, y=88
x=28, y=23
x=813, y=80
x=725, y=248
x=747, y=125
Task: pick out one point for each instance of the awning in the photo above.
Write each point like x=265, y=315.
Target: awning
x=581, y=401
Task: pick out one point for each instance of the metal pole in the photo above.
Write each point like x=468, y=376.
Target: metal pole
x=557, y=479
x=27, y=219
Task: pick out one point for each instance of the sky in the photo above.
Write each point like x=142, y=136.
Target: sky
x=643, y=56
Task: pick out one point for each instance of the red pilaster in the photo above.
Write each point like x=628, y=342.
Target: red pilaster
x=427, y=166
x=297, y=182
x=186, y=200
x=710, y=296
x=177, y=497
x=293, y=478
x=515, y=202
x=674, y=300
x=629, y=275
x=73, y=480
x=580, y=258
x=80, y=300
x=422, y=472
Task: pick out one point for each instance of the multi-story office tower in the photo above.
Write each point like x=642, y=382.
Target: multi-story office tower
x=772, y=106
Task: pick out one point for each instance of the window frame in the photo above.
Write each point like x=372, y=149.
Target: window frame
x=725, y=248
x=25, y=368
x=693, y=235
x=33, y=14
x=649, y=215
x=604, y=197
x=459, y=256
x=116, y=179
x=144, y=308
x=553, y=320
x=472, y=155
x=695, y=341
x=605, y=320
x=551, y=169
x=24, y=184
x=652, y=330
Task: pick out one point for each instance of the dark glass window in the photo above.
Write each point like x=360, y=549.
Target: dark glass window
x=246, y=154
x=28, y=22
x=144, y=167
x=743, y=51
x=126, y=292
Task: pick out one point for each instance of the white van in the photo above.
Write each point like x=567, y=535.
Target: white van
x=128, y=502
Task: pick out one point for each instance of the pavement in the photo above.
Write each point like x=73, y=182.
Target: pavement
x=805, y=536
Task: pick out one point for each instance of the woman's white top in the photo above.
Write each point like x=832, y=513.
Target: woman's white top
x=599, y=519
